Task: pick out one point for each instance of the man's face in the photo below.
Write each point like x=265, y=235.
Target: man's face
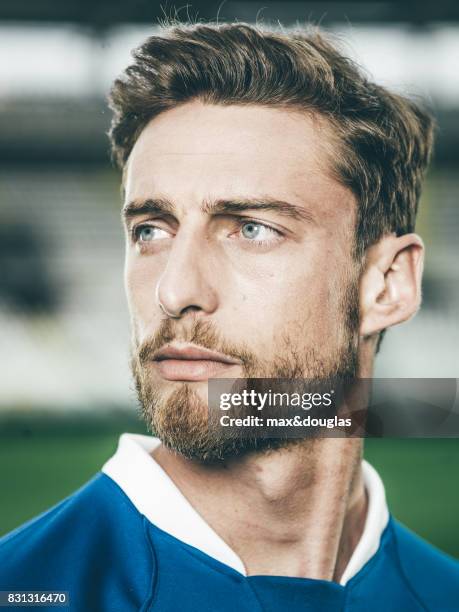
x=239, y=241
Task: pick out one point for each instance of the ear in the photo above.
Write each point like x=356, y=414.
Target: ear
x=390, y=285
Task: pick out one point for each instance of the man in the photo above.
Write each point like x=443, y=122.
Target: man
x=270, y=196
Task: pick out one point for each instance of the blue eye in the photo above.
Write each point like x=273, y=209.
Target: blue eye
x=146, y=233
x=259, y=233
x=251, y=229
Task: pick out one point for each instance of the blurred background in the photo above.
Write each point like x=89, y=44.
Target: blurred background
x=65, y=392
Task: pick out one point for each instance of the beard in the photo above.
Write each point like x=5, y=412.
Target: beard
x=180, y=418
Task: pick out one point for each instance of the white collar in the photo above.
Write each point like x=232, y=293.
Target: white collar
x=156, y=496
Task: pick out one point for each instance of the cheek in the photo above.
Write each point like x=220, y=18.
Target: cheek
x=140, y=286
x=301, y=301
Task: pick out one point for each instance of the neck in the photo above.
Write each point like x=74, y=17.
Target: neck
x=297, y=511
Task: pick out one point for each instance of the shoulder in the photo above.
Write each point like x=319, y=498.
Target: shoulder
x=431, y=574
x=84, y=516
x=95, y=536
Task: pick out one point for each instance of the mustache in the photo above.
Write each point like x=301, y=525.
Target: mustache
x=201, y=333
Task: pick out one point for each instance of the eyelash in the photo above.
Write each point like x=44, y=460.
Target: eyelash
x=244, y=221
x=135, y=231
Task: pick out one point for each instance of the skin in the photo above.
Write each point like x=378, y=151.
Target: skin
x=297, y=511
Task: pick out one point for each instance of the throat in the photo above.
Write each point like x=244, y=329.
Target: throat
x=295, y=512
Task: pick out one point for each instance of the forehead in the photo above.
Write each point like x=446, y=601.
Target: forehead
x=199, y=151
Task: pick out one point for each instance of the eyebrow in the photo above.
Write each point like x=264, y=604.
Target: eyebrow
x=162, y=207
x=158, y=206
x=242, y=205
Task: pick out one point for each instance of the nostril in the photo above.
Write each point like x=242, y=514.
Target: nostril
x=191, y=308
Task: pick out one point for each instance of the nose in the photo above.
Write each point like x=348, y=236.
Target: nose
x=187, y=283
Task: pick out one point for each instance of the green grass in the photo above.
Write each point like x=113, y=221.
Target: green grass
x=45, y=457
x=44, y=462
x=37, y=472
x=422, y=485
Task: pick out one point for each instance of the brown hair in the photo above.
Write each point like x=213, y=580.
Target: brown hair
x=385, y=139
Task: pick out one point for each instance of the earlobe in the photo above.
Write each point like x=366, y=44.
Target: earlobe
x=390, y=286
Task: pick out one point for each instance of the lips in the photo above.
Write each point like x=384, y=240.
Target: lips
x=192, y=363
